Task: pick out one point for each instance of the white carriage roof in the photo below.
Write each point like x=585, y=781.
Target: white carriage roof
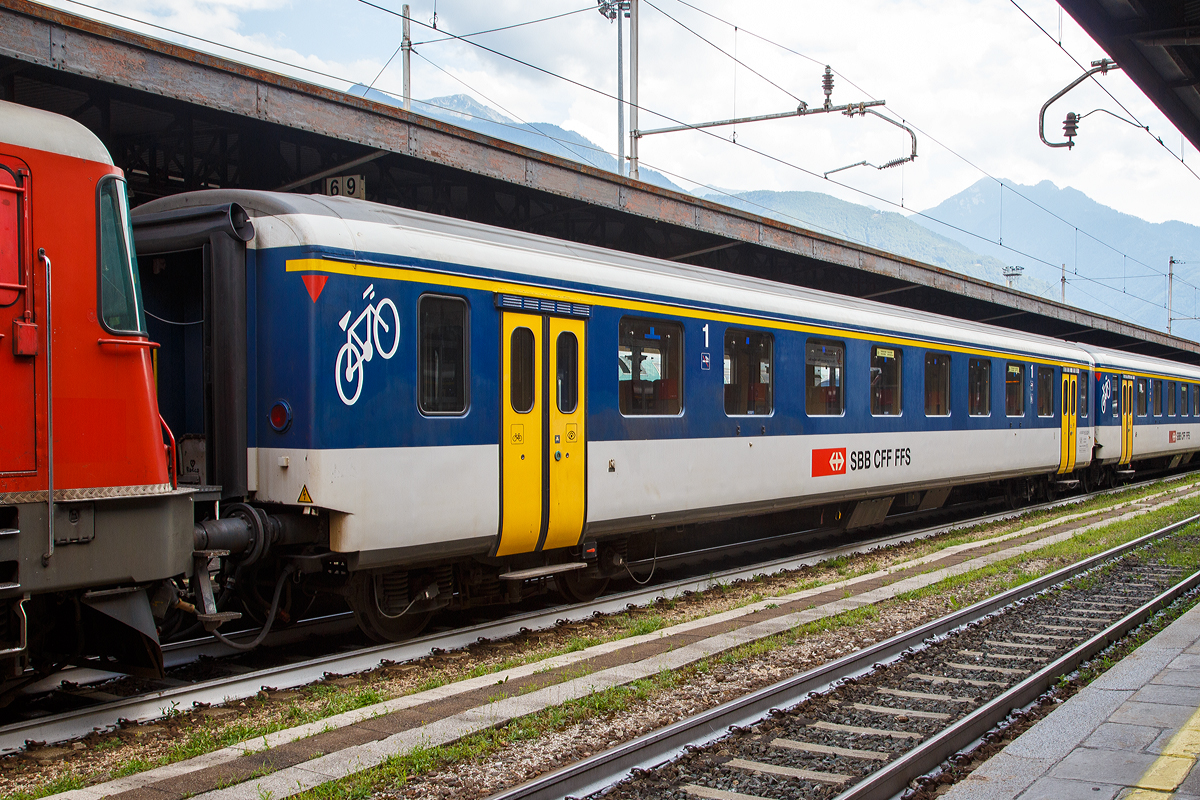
x=41, y=130
x=361, y=226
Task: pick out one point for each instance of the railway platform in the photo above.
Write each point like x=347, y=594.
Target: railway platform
x=1134, y=732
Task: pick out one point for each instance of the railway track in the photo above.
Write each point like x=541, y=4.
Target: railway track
x=107, y=711
x=866, y=725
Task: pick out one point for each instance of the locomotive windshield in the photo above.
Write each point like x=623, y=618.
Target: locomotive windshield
x=120, y=290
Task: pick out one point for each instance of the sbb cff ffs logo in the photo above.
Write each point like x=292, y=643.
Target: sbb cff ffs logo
x=828, y=461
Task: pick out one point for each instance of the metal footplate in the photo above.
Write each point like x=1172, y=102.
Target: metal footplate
x=542, y=572
x=207, y=611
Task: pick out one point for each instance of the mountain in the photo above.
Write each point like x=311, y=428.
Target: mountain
x=1099, y=278
x=466, y=112
x=885, y=230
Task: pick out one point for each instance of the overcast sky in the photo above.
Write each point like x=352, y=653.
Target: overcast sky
x=971, y=76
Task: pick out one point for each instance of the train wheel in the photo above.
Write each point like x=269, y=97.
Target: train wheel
x=577, y=587
x=377, y=624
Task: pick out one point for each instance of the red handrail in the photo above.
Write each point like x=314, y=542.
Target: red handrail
x=133, y=342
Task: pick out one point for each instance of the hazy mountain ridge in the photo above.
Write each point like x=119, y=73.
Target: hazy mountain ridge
x=1107, y=282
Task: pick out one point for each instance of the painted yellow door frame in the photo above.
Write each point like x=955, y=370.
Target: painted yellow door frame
x=543, y=447
x=1070, y=389
x=566, y=453
x=1126, y=420
x=521, y=445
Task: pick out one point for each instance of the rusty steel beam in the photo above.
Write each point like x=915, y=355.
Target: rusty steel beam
x=53, y=39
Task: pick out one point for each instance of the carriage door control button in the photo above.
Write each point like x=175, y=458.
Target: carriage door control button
x=558, y=455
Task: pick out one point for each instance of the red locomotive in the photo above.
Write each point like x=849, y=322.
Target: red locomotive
x=91, y=524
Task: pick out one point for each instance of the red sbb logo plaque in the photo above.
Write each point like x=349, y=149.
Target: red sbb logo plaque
x=829, y=461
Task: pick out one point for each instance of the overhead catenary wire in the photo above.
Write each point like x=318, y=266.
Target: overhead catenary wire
x=550, y=73
x=953, y=152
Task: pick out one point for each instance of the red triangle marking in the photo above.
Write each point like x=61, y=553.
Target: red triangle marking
x=314, y=284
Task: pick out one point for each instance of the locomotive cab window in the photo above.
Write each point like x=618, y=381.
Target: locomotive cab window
x=1141, y=397
x=1083, y=394
x=120, y=291
x=824, y=373
x=443, y=353
x=1171, y=398
x=522, y=358
x=749, y=360
x=1014, y=390
x=886, y=388
x=937, y=385
x=979, y=387
x=1045, y=392
x=649, y=367
x=1157, y=398
x=567, y=379
x=11, y=211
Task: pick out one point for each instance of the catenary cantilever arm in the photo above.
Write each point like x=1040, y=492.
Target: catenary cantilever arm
x=1102, y=66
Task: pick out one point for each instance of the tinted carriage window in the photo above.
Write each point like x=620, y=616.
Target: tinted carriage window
x=443, y=351
x=1157, y=398
x=522, y=357
x=937, y=385
x=979, y=387
x=1084, y=379
x=886, y=390
x=1171, y=398
x=824, y=373
x=1183, y=400
x=1141, y=397
x=650, y=366
x=120, y=291
x=1045, y=392
x=10, y=236
x=567, y=377
x=1195, y=400
x=1014, y=390
x=749, y=358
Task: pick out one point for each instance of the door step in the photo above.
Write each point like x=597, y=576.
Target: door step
x=542, y=572
x=1127, y=473
x=1067, y=484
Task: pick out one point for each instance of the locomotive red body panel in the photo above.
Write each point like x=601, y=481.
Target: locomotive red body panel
x=106, y=426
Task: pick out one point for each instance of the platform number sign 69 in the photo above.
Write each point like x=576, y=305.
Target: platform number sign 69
x=347, y=186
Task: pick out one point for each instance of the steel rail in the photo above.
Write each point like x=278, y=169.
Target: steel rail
x=603, y=769
x=153, y=705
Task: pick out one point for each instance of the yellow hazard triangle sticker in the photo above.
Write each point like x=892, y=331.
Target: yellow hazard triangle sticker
x=304, y=497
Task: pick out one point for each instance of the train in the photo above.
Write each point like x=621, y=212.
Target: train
x=235, y=403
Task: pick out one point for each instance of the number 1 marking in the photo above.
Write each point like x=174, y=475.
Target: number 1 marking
x=705, y=329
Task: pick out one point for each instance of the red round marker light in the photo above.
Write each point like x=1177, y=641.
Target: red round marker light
x=281, y=416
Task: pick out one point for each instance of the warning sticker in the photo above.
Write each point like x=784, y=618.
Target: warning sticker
x=829, y=461
x=304, y=497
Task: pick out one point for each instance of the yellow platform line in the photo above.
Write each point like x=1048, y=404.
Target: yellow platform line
x=1170, y=769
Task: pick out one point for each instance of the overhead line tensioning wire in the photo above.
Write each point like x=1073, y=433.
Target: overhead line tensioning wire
x=550, y=73
x=936, y=141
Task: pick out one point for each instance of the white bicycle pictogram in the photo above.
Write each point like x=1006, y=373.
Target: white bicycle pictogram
x=358, y=350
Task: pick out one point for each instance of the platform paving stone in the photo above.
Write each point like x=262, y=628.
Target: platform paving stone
x=450, y=712
x=1134, y=728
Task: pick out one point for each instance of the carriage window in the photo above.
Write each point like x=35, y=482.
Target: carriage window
x=1084, y=377
x=567, y=378
x=1118, y=392
x=824, y=369
x=649, y=366
x=937, y=385
x=1045, y=392
x=120, y=291
x=1195, y=400
x=1183, y=399
x=1157, y=398
x=1171, y=399
x=886, y=389
x=1141, y=397
x=979, y=387
x=443, y=348
x=1014, y=390
x=748, y=364
x=522, y=358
